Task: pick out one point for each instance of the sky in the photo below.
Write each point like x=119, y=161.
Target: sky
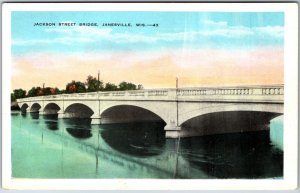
x=200, y=48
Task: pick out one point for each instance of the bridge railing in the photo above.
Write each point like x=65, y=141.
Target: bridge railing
x=275, y=92
x=258, y=90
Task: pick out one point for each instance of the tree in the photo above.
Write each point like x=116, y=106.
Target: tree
x=61, y=92
x=75, y=87
x=80, y=87
x=127, y=86
x=140, y=87
x=93, y=84
x=55, y=91
x=36, y=91
x=110, y=87
x=47, y=91
x=40, y=91
x=32, y=92
x=12, y=97
x=19, y=93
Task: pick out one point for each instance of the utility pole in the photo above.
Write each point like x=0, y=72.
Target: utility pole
x=177, y=101
x=98, y=80
x=178, y=140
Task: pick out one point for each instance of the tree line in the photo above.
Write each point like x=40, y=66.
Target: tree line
x=91, y=85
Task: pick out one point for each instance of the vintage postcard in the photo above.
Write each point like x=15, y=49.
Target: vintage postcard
x=150, y=96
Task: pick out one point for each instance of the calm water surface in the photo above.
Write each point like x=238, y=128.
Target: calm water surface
x=46, y=147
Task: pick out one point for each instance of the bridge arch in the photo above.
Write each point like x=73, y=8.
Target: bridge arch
x=35, y=107
x=123, y=113
x=78, y=110
x=228, y=122
x=202, y=110
x=24, y=107
x=51, y=108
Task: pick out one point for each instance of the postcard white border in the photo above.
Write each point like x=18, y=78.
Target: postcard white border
x=290, y=101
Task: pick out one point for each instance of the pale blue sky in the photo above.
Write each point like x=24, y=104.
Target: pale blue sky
x=176, y=29
x=201, y=48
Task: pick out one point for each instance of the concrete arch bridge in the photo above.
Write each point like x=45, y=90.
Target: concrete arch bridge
x=185, y=111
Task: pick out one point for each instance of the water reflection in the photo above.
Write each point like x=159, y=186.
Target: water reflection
x=23, y=114
x=51, y=121
x=240, y=155
x=138, y=139
x=15, y=113
x=78, y=128
x=78, y=122
x=34, y=115
x=137, y=150
x=79, y=133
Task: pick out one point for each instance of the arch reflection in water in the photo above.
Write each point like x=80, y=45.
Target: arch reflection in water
x=139, y=139
x=78, y=122
x=15, y=113
x=34, y=115
x=238, y=155
x=51, y=121
x=79, y=128
x=79, y=133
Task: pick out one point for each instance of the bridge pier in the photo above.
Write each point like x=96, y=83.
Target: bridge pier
x=31, y=111
x=96, y=120
x=41, y=112
x=60, y=114
x=172, y=131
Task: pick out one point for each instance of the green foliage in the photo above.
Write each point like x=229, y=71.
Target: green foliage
x=12, y=97
x=38, y=91
x=61, y=92
x=93, y=84
x=127, y=86
x=140, y=87
x=47, y=91
x=110, y=87
x=19, y=93
x=35, y=91
x=55, y=91
x=32, y=92
x=75, y=87
x=80, y=87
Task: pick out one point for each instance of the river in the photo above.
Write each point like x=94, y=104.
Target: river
x=46, y=147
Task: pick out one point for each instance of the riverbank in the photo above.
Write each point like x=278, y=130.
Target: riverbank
x=14, y=106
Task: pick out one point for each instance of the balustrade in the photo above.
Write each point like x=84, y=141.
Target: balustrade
x=134, y=93
x=231, y=91
x=193, y=92
x=158, y=93
x=272, y=91
x=118, y=94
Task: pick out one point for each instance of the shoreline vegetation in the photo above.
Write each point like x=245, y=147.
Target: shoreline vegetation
x=92, y=84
